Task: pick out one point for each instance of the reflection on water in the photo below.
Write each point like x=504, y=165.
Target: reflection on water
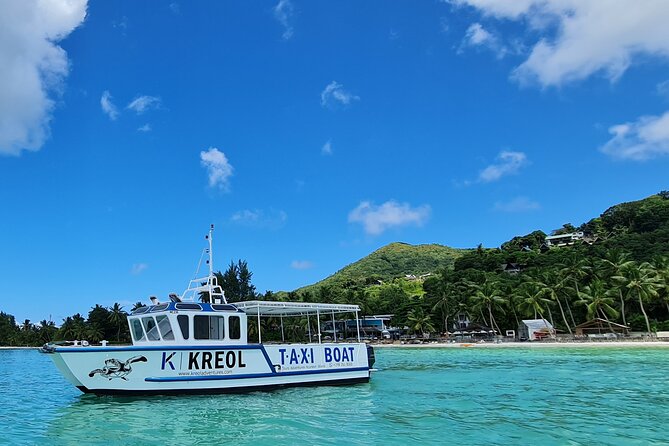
x=557, y=396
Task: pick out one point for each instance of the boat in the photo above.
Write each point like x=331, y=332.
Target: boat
x=198, y=343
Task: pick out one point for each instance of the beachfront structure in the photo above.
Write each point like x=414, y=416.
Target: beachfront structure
x=369, y=326
x=599, y=326
x=535, y=329
x=473, y=331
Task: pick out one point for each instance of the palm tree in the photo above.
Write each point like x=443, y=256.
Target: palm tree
x=95, y=333
x=137, y=305
x=575, y=268
x=420, y=322
x=488, y=296
x=551, y=284
x=445, y=303
x=597, y=302
x=661, y=265
x=118, y=318
x=616, y=262
x=531, y=300
x=643, y=283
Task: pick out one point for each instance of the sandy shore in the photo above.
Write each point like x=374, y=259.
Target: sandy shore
x=613, y=344
x=18, y=348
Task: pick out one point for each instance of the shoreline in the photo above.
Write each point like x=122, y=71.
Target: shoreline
x=532, y=345
x=501, y=345
x=17, y=348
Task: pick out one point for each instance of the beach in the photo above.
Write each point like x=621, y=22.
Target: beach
x=533, y=345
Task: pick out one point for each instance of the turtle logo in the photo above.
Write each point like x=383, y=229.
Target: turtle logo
x=114, y=368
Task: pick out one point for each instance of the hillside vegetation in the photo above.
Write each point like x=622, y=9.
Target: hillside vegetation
x=392, y=261
x=619, y=274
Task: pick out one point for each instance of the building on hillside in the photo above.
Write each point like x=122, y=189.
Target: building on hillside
x=511, y=268
x=599, y=326
x=569, y=239
x=564, y=239
x=535, y=330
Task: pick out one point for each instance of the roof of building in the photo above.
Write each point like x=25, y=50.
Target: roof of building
x=599, y=322
x=537, y=323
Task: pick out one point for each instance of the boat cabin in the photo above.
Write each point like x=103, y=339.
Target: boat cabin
x=188, y=323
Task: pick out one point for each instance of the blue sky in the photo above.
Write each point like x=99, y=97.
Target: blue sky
x=310, y=133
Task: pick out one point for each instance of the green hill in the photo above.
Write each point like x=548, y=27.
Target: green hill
x=391, y=261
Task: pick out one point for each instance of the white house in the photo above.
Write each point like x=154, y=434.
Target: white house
x=535, y=329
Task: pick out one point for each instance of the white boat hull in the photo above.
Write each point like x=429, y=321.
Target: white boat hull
x=177, y=369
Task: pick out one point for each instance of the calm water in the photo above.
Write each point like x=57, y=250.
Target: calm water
x=420, y=396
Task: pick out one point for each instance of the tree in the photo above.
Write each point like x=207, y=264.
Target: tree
x=531, y=300
x=616, y=262
x=236, y=282
x=643, y=283
x=420, y=322
x=118, y=318
x=552, y=286
x=487, y=296
x=597, y=302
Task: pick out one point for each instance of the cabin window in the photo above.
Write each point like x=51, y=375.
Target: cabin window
x=188, y=306
x=151, y=328
x=160, y=307
x=137, y=331
x=209, y=327
x=140, y=310
x=165, y=328
x=182, y=319
x=235, y=327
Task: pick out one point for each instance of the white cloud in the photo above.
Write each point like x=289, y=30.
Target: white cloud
x=144, y=128
x=258, y=218
x=138, y=268
x=444, y=26
x=219, y=170
x=376, y=219
x=174, y=7
x=508, y=163
x=108, y=106
x=663, y=89
x=646, y=138
x=143, y=103
x=477, y=36
x=283, y=13
x=518, y=204
x=579, y=38
x=33, y=67
x=327, y=148
x=301, y=264
x=334, y=94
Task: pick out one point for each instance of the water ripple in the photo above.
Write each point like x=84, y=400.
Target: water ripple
x=478, y=396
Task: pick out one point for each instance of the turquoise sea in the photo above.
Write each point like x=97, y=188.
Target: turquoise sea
x=466, y=396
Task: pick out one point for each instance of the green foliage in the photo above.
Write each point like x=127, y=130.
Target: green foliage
x=390, y=262
x=236, y=282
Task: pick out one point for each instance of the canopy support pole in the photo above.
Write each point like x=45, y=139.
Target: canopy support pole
x=334, y=328
x=282, y=338
x=309, y=327
x=318, y=324
x=357, y=325
x=259, y=336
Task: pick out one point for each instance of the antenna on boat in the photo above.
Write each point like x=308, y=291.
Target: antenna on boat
x=207, y=284
x=210, y=262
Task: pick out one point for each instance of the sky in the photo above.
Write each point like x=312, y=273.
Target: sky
x=310, y=133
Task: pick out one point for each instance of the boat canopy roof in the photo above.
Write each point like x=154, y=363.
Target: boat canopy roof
x=269, y=308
